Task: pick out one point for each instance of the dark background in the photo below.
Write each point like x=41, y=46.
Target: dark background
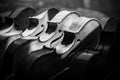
x=109, y=7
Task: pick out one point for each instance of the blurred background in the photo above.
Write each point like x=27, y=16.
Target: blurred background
x=107, y=7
